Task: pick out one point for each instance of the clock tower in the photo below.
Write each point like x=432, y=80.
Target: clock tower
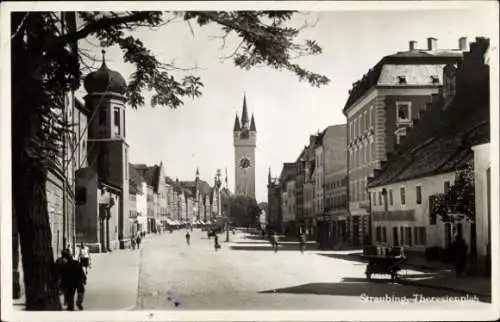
x=245, y=141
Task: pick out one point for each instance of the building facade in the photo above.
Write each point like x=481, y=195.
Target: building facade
x=449, y=137
x=380, y=109
x=274, y=203
x=335, y=185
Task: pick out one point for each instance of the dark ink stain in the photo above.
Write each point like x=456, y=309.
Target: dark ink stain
x=177, y=303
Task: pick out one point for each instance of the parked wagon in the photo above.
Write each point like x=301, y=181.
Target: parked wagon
x=384, y=260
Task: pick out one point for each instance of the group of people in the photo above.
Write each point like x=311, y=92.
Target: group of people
x=216, y=240
x=274, y=240
x=71, y=272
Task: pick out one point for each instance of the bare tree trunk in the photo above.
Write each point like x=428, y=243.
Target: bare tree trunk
x=28, y=176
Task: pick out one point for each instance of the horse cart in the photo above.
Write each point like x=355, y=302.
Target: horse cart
x=383, y=260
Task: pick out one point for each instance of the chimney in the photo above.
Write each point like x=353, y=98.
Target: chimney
x=431, y=43
x=413, y=45
x=462, y=43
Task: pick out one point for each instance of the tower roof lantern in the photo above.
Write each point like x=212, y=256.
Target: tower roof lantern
x=105, y=80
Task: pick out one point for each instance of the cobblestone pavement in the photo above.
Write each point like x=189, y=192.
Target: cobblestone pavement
x=247, y=274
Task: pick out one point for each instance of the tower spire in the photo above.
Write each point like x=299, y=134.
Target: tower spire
x=252, y=124
x=237, y=126
x=244, y=115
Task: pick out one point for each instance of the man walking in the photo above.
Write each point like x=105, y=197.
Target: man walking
x=138, y=241
x=459, y=248
x=74, y=279
x=274, y=242
x=59, y=265
x=84, y=257
x=302, y=242
x=188, y=238
x=216, y=243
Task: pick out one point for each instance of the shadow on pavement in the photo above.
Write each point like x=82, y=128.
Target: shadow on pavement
x=290, y=246
x=362, y=289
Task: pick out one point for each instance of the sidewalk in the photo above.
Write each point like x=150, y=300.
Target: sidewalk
x=439, y=275
x=112, y=282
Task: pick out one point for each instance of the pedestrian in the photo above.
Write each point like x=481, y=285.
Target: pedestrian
x=216, y=243
x=459, y=249
x=138, y=241
x=302, y=242
x=132, y=242
x=84, y=257
x=188, y=237
x=74, y=279
x=274, y=242
x=59, y=265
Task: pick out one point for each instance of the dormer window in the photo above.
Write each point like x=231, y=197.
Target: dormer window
x=434, y=79
x=402, y=79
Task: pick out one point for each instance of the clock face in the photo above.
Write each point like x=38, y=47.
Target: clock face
x=245, y=163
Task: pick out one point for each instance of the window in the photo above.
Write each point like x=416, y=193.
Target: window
x=380, y=198
x=408, y=236
x=419, y=195
x=372, y=119
x=378, y=231
x=403, y=196
x=384, y=235
x=395, y=236
x=391, y=201
x=403, y=111
x=402, y=235
x=374, y=197
x=419, y=233
x=446, y=187
x=117, y=121
x=373, y=150
x=432, y=216
x=124, y=126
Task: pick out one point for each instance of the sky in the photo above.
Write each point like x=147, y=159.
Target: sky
x=287, y=111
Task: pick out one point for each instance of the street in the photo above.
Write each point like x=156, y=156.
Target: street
x=246, y=274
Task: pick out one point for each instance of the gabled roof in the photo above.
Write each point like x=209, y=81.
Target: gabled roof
x=150, y=174
x=134, y=175
x=442, y=140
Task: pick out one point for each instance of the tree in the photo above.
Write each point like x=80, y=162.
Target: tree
x=459, y=199
x=46, y=63
x=244, y=211
x=459, y=203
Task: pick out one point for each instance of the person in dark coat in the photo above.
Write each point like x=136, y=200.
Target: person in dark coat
x=216, y=243
x=59, y=265
x=138, y=241
x=188, y=237
x=74, y=279
x=459, y=248
x=302, y=242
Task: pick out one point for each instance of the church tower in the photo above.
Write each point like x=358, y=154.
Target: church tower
x=245, y=141
x=108, y=147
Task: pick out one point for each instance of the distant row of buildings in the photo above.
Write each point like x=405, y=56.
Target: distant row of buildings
x=413, y=121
